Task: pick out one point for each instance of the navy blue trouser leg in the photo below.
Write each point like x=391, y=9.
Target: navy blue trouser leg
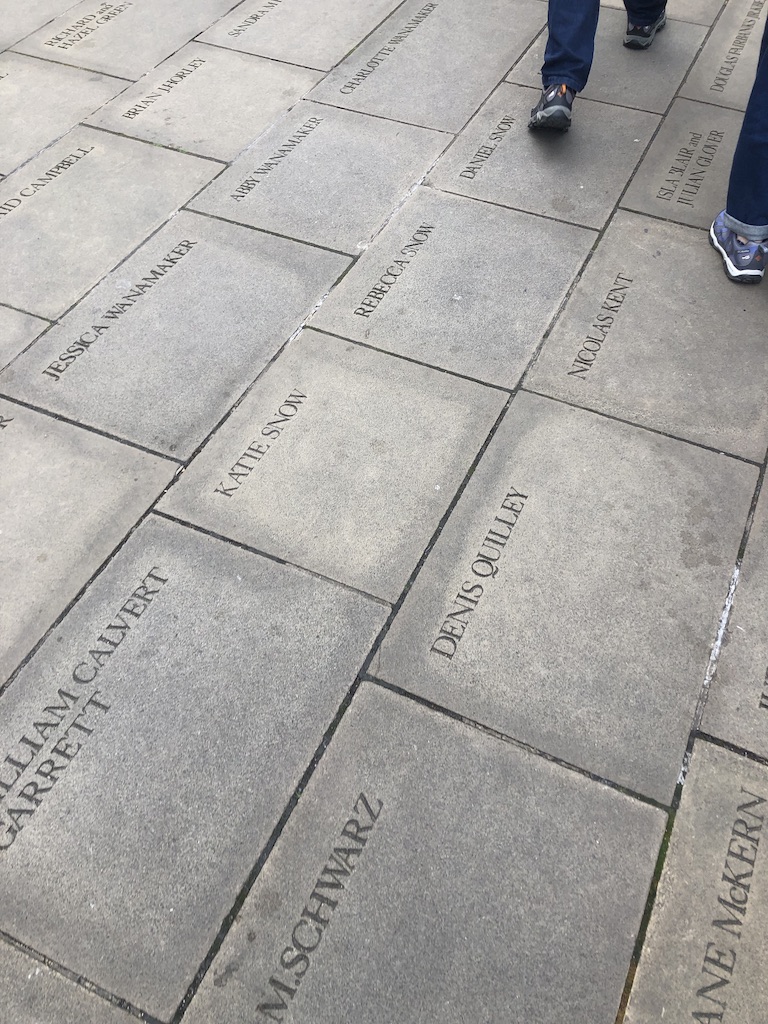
x=747, y=206
x=571, y=44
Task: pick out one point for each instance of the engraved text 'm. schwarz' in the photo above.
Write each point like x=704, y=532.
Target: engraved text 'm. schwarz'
x=488, y=148
x=166, y=87
x=384, y=53
x=87, y=338
x=256, y=177
x=87, y=25
x=731, y=58
x=256, y=450
x=458, y=617
x=394, y=270
x=46, y=748
x=307, y=934
x=602, y=324
x=735, y=886
x=45, y=179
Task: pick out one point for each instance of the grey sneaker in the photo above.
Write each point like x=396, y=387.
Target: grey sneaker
x=640, y=37
x=553, y=110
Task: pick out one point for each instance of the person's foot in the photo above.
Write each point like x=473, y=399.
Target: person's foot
x=744, y=261
x=640, y=37
x=553, y=110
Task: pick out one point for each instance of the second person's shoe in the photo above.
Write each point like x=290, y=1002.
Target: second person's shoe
x=743, y=261
x=553, y=110
x=640, y=37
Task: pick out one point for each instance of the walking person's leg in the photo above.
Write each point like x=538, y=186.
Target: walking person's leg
x=644, y=19
x=567, y=60
x=737, y=232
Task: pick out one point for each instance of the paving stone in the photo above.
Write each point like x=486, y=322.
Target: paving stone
x=725, y=71
x=467, y=297
x=645, y=80
x=498, y=159
x=69, y=497
x=205, y=294
x=291, y=30
x=17, y=330
x=704, y=954
x=207, y=100
x=407, y=70
x=702, y=12
x=157, y=849
x=324, y=175
x=592, y=639
x=684, y=176
x=87, y=215
x=337, y=433
x=637, y=342
x=27, y=84
x=33, y=994
x=421, y=928
x=126, y=38
x=737, y=704
x=19, y=19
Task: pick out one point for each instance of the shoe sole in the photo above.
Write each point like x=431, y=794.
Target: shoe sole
x=739, y=276
x=635, y=43
x=556, y=119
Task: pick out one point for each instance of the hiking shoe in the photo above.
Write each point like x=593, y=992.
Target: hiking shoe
x=743, y=261
x=553, y=109
x=640, y=37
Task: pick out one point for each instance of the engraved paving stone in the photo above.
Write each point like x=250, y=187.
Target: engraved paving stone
x=725, y=70
x=433, y=63
x=573, y=596
x=636, y=341
x=69, y=497
x=701, y=12
x=126, y=38
x=646, y=81
x=207, y=101
x=451, y=282
x=186, y=324
x=684, y=175
x=34, y=994
x=19, y=19
x=28, y=85
x=16, y=331
x=178, y=706
x=334, y=433
x=704, y=954
x=323, y=175
x=77, y=209
x=434, y=873
x=295, y=31
x=499, y=159
x=737, y=703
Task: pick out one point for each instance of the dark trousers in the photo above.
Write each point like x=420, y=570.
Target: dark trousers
x=571, y=44
x=747, y=206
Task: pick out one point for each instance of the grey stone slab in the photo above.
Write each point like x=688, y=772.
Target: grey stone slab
x=572, y=176
x=702, y=12
x=295, y=31
x=434, y=63
x=643, y=79
x=207, y=100
x=636, y=341
x=28, y=85
x=725, y=70
x=161, y=359
x=579, y=617
x=334, y=433
x=16, y=331
x=126, y=38
x=324, y=175
x=209, y=708
x=467, y=296
x=684, y=175
x=19, y=19
x=704, y=954
x=75, y=211
x=737, y=704
x=31, y=993
x=69, y=497
x=422, y=926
